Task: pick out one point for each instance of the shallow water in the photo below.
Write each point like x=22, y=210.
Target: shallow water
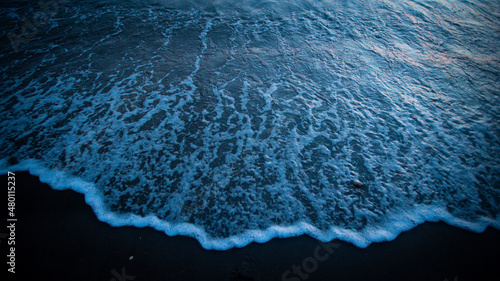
x=235, y=123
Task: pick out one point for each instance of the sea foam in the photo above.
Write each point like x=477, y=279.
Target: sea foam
x=386, y=232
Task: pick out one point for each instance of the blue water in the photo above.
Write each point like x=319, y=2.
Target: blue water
x=234, y=123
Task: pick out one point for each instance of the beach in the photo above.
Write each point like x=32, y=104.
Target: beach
x=58, y=237
x=241, y=132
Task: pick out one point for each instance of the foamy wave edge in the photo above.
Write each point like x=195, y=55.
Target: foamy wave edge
x=395, y=224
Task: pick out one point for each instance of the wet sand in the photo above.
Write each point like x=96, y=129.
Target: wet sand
x=58, y=237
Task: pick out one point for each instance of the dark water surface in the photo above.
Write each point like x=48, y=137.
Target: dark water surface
x=234, y=123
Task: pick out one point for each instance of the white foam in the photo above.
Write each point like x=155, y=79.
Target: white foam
x=389, y=230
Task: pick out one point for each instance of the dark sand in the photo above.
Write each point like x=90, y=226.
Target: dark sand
x=58, y=237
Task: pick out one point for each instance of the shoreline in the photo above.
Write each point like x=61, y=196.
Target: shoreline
x=58, y=237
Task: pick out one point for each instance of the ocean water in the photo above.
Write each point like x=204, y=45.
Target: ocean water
x=236, y=122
